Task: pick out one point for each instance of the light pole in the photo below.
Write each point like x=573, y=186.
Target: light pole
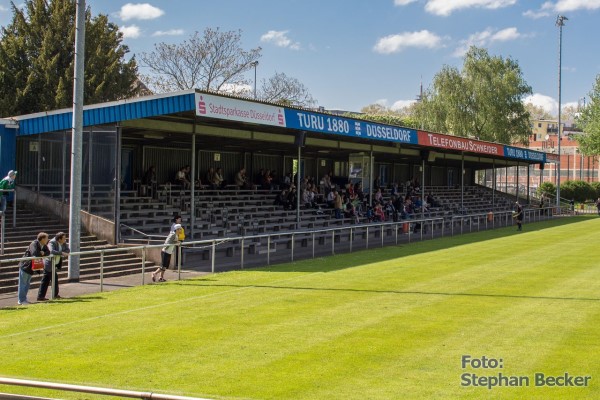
x=254, y=64
x=560, y=21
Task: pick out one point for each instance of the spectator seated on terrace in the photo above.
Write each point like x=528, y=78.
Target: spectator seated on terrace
x=182, y=177
x=266, y=180
x=208, y=178
x=358, y=191
x=378, y=213
x=390, y=210
x=379, y=196
x=282, y=199
x=432, y=201
x=309, y=197
x=241, y=180
x=350, y=211
x=149, y=181
x=218, y=181
x=407, y=209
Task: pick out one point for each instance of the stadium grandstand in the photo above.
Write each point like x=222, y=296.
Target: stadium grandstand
x=148, y=159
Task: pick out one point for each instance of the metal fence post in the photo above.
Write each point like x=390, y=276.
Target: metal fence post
x=292, y=247
x=242, y=254
x=351, y=238
x=143, y=265
x=333, y=242
x=179, y=259
x=367, y=237
x=102, y=271
x=212, y=257
x=269, y=250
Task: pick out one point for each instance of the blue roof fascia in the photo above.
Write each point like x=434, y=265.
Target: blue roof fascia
x=107, y=113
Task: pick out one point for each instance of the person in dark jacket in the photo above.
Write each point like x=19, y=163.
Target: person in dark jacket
x=37, y=248
x=58, y=248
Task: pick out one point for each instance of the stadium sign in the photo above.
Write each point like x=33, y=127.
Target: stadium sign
x=334, y=125
x=238, y=110
x=524, y=154
x=459, y=143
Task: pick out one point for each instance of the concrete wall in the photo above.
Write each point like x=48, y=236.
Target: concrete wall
x=98, y=226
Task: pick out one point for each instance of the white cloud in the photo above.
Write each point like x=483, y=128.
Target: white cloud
x=573, y=5
x=550, y=9
x=536, y=14
x=280, y=39
x=400, y=104
x=171, y=32
x=131, y=32
x=3, y=8
x=139, y=11
x=486, y=37
x=546, y=102
x=403, y=2
x=447, y=7
x=397, y=43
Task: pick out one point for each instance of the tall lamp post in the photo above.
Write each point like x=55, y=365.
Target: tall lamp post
x=560, y=21
x=254, y=64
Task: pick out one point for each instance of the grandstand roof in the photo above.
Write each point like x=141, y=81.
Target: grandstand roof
x=209, y=109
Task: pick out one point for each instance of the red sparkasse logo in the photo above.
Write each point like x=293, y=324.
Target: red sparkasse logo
x=201, y=106
x=280, y=118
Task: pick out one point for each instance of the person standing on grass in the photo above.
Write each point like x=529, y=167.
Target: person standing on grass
x=58, y=248
x=37, y=248
x=165, y=255
x=519, y=216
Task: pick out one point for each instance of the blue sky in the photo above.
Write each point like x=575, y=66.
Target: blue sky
x=352, y=53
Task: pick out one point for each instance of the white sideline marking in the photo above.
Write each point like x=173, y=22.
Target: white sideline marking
x=148, y=307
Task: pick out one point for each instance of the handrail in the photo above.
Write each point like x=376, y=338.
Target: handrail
x=2, y=222
x=141, y=233
x=93, y=390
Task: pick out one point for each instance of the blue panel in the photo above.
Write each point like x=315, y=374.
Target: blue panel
x=322, y=123
x=8, y=150
x=109, y=114
x=524, y=154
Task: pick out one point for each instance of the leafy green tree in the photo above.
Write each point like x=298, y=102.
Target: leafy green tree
x=547, y=189
x=484, y=100
x=580, y=191
x=596, y=187
x=589, y=121
x=37, y=59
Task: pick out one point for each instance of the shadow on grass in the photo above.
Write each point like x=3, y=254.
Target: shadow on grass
x=400, y=292
x=389, y=252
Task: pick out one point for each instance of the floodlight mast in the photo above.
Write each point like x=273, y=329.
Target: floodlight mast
x=560, y=22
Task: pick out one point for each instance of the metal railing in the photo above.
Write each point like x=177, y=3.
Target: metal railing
x=499, y=218
x=2, y=217
x=92, y=390
x=147, y=237
x=320, y=242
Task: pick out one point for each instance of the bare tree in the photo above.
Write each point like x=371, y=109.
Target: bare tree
x=285, y=90
x=214, y=61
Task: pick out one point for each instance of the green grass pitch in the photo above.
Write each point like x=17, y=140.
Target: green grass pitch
x=387, y=323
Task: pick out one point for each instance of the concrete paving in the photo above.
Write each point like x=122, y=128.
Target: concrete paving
x=75, y=289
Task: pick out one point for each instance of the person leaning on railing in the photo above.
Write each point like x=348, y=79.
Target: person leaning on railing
x=6, y=184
